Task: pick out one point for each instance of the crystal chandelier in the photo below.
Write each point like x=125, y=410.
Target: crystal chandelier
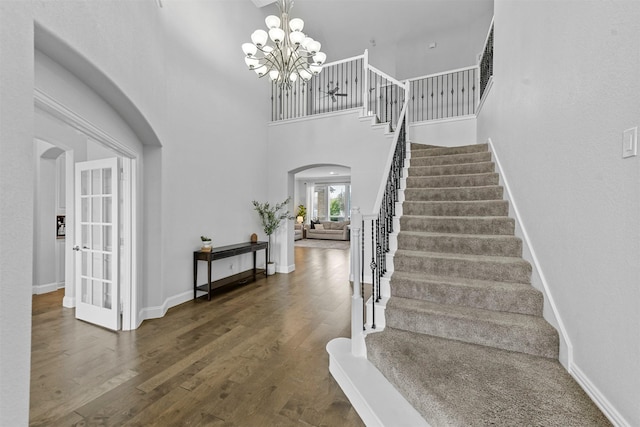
x=285, y=53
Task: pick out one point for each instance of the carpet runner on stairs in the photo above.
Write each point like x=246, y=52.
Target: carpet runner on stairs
x=465, y=341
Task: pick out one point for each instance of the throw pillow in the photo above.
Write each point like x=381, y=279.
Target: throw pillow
x=313, y=225
x=319, y=227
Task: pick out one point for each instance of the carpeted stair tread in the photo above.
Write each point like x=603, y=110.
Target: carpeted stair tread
x=471, y=180
x=508, y=331
x=452, y=383
x=490, y=295
x=465, y=340
x=456, y=208
x=417, y=160
x=507, y=269
x=491, y=192
x=452, y=224
x=460, y=169
x=421, y=150
x=470, y=244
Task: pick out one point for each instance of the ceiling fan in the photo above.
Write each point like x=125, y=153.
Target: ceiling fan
x=333, y=93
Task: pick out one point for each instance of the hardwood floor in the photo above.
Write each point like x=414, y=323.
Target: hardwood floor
x=252, y=356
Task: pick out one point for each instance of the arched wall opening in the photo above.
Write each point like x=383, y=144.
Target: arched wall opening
x=300, y=188
x=82, y=112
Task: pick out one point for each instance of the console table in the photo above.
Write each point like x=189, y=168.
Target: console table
x=220, y=253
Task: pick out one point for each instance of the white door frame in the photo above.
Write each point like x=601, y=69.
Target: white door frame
x=129, y=274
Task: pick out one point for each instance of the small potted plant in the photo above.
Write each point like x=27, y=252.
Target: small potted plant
x=206, y=243
x=271, y=218
x=302, y=211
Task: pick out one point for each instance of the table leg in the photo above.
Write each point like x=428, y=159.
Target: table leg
x=195, y=276
x=266, y=260
x=209, y=278
x=255, y=254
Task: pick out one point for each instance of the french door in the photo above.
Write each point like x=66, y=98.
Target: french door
x=96, y=248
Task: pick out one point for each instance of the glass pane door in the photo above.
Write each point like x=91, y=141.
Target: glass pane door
x=96, y=248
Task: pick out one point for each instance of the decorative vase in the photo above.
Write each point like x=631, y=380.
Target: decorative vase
x=206, y=246
x=271, y=268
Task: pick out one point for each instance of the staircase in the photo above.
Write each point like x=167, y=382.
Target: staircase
x=465, y=341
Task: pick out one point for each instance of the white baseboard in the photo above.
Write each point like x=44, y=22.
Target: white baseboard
x=598, y=398
x=161, y=310
x=286, y=269
x=374, y=398
x=46, y=288
x=538, y=278
x=68, y=302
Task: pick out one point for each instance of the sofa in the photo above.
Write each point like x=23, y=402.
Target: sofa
x=328, y=230
x=297, y=231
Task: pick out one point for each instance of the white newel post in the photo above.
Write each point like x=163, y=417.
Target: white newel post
x=357, y=333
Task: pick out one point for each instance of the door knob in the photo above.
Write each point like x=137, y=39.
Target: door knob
x=76, y=248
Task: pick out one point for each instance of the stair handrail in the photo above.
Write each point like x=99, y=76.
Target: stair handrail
x=345, y=60
x=485, y=64
x=381, y=219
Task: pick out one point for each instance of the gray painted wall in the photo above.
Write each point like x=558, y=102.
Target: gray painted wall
x=566, y=87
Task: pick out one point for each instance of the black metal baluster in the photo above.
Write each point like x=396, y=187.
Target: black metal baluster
x=373, y=277
x=310, y=99
x=389, y=96
x=414, y=109
x=378, y=256
x=475, y=103
x=434, y=92
x=325, y=97
x=298, y=98
x=364, y=304
x=342, y=100
x=394, y=103
x=457, y=94
x=437, y=99
x=360, y=83
x=376, y=100
x=441, y=92
x=467, y=92
x=453, y=92
x=332, y=79
x=423, y=83
x=350, y=90
x=448, y=91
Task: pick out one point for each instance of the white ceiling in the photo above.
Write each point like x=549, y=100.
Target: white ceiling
x=346, y=27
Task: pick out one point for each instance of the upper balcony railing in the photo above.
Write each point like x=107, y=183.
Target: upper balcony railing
x=354, y=83
x=443, y=95
x=342, y=85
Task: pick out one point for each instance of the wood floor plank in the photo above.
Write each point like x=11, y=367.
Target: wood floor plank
x=252, y=356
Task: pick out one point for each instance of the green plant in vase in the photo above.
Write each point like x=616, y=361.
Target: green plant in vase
x=271, y=217
x=302, y=211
